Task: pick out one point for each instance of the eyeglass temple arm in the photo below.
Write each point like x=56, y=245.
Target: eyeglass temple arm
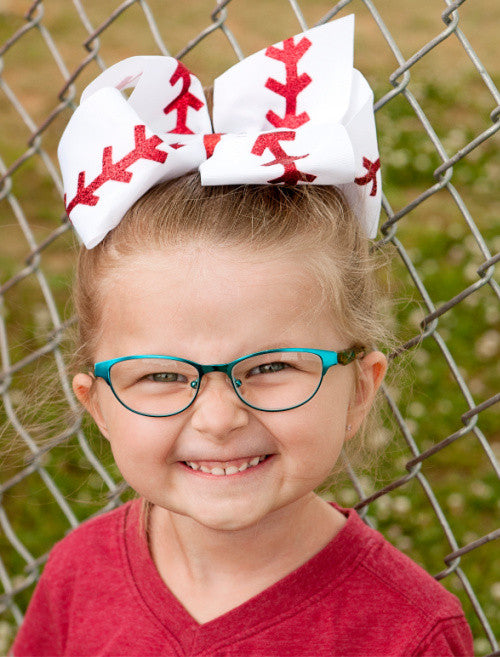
x=347, y=356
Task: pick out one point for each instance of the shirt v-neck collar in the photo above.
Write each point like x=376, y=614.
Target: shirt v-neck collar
x=286, y=597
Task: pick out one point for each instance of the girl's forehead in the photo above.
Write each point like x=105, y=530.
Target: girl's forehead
x=191, y=292
x=207, y=263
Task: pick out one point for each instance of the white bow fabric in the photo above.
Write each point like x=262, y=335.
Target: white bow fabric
x=294, y=113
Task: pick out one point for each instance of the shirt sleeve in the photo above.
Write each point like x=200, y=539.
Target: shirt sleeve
x=41, y=633
x=449, y=638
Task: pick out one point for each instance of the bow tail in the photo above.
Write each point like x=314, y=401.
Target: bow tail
x=320, y=154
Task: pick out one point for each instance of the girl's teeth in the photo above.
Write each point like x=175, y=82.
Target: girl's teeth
x=230, y=470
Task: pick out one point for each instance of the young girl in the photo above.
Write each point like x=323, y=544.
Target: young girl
x=227, y=323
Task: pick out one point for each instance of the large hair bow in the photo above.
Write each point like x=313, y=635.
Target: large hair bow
x=294, y=113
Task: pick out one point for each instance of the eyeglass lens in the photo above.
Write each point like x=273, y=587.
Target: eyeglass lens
x=275, y=381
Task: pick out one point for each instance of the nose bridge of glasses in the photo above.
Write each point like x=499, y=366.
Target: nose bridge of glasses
x=224, y=368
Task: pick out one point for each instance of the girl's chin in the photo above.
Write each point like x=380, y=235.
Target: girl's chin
x=222, y=518
x=230, y=513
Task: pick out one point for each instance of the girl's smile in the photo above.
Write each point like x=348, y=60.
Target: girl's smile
x=220, y=462
x=226, y=468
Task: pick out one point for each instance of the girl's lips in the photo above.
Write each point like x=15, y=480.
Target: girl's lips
x=221, y=468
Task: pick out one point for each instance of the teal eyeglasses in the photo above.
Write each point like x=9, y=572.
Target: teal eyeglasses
x=272, y=380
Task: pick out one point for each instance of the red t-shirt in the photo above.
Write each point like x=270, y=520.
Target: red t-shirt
x=100, y=594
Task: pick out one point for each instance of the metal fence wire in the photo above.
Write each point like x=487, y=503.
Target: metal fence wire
x=436, y=491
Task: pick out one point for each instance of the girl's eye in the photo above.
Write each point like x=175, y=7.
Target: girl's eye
x=166, y=377
x=268, y=368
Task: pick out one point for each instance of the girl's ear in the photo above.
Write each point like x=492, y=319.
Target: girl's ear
x=84, y=387
x=372, y=369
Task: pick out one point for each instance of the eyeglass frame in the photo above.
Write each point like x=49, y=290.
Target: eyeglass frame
x=328, y=359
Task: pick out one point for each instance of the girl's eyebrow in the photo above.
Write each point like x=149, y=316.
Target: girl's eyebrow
x=282, y=344
x=255, y=349
x=266, y=346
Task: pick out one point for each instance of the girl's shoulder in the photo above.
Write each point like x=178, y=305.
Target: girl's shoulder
x=393, y=574
x=98, y=537
x=411, y=607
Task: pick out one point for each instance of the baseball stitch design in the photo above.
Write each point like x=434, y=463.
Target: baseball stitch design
x=371, y=175
x=271, y=140
x=295, y=83
x=184, y=100
x=290, y=56
x=145, y=149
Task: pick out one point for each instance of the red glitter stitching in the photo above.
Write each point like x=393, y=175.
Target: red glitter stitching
x=371, y=175
x=290, y=56
x=210, y=141
x=183, y=101
x=145, y=149
x=270, y=140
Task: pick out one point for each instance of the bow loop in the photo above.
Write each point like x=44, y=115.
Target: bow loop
x=304, y=79
x=164, y=93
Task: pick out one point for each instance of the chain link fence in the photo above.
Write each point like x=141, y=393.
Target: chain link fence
x=432, y=65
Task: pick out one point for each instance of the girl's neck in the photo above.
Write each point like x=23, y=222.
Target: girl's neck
x=198, y=563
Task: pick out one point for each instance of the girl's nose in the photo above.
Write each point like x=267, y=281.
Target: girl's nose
x=217, y=410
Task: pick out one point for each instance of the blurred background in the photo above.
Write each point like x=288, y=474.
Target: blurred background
x=433, y=65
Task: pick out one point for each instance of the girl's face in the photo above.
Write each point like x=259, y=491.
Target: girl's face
x=213, y=305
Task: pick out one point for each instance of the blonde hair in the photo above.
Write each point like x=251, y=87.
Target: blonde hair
x=313, y=223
